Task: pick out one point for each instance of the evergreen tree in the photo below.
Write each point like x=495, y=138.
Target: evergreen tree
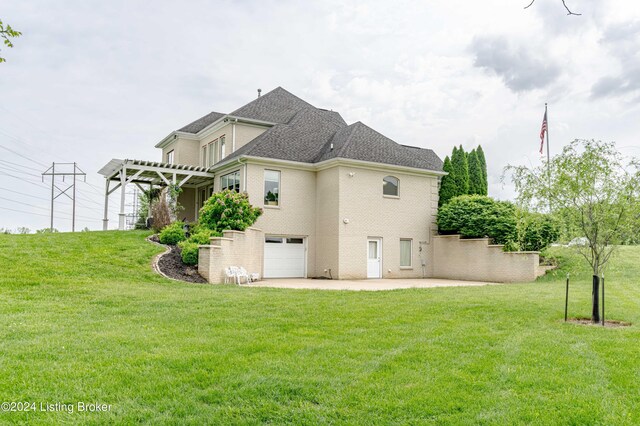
x=447, y=184
x=476, y=180
x=460, y=171
x=483, y=168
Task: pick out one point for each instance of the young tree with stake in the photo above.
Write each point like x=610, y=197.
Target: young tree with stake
x=596, y=191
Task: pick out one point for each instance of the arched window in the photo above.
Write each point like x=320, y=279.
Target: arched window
x=390, y=186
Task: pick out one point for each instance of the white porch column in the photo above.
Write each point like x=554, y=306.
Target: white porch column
x=105, y=220
x=123, y=187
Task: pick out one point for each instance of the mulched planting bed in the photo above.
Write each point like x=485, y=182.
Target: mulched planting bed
x=171, y=265
x=607, y=323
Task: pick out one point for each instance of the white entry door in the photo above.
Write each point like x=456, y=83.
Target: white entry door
x=374, y=258
x=284, y=257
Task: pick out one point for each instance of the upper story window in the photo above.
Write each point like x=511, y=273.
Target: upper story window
x=390, y=186
x=203, y=158
x=212, y=153
x=223, y=148
x=271, y=188
x=230, y=181
x=170, y=157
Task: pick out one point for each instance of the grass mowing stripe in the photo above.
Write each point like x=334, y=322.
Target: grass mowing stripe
x=85, y=318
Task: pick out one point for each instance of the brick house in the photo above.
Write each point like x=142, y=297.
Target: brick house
x=340, y=200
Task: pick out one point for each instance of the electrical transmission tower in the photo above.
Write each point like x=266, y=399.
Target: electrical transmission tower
x=51, y=171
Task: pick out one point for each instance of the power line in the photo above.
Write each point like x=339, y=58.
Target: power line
x=44, y=215
x=39, y=185
x=23, y=180
x=22, y=211
x=46, y=209
x=19, y=165
x=20, y=155
x=41, y=198
x=23, y=194
x=24, y=204
x=13, y=169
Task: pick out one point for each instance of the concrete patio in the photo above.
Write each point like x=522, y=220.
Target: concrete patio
x=363, y=285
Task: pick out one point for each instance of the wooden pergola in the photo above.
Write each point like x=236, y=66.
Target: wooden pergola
x=147, y=174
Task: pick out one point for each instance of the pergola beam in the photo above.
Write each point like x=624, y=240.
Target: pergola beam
x=163, y=178
x=183, y=181
x=149, y=173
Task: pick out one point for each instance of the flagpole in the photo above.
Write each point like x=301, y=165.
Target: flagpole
x=548, y=157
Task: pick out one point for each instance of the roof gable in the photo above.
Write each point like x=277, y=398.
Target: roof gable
x=277, y=106
x=304, y=133
x=360, y=142
x=202, y=122
x=302, y=139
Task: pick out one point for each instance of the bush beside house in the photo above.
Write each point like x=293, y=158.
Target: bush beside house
x=477, y=216
x=466, y=174
x=199, y=236
x=228, y=210
x=172, y=234
x=225, y=210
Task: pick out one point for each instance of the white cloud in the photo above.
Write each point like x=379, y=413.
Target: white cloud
x=91, y=81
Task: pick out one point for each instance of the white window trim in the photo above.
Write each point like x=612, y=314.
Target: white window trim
x=398, y=186
x=222, y=147
x=203, y=156
x=211, y=155
x=264, y=180
x=231, y=173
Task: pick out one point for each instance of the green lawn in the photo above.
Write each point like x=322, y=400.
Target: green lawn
x=83, y=318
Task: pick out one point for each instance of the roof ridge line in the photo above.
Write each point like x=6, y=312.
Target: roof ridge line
x=349, y=138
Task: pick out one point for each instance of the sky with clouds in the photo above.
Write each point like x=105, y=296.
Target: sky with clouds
x=89, y=81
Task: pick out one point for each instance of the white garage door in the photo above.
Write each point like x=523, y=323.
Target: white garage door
x=284, y=257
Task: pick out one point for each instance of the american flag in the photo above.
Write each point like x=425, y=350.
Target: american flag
x=543, y=130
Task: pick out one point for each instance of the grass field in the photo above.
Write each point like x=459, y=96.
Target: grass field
x=83, y=319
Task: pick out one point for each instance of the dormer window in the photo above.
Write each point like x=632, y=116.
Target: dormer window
x=390, y=186
x=170, y=157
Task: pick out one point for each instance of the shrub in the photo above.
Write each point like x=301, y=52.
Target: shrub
x=43, y=231
x=161, y=213
x=538, y=231
x=202, y=236
x=477, y=216
x=228, y=210
x=172, y=234
x=189, y=247
x=189, y=252
x=511, y=246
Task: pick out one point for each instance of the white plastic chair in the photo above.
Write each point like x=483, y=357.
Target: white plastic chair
x=230, y=274
x=242, y=273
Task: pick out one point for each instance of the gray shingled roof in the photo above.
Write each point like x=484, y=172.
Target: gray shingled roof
x=360, y=142
x=302, y=139
x=277, y=106
x=201, y=122
x=333, y=116
x=307, y=134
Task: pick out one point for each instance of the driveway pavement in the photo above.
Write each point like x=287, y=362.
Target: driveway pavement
x=364, y=285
